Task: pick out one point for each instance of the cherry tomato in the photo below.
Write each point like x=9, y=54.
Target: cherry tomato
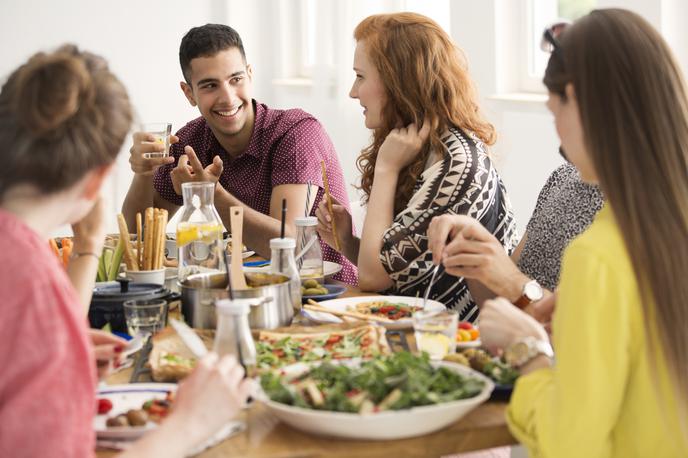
x=104, y=406
x=465, y=325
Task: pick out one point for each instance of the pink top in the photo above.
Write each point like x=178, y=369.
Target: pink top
x=286, y=147
x=48, y=382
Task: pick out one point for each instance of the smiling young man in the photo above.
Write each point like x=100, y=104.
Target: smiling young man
x=256, y=155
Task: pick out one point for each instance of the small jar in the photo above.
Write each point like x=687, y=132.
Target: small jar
x=282, y=262
x=309, y=259
x=233, y=334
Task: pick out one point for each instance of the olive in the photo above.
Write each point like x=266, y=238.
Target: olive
x=323, y=290
x=137, y=417
x=310, y=283
x=119, y=420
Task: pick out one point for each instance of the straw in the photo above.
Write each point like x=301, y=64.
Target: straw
x=284, y=217
x=308, y=198
x=229, y=277
x=328, y=199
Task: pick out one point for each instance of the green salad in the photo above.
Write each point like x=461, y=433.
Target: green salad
x=395, y=382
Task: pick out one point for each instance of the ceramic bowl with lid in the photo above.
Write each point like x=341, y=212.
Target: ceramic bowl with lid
x=108, y=299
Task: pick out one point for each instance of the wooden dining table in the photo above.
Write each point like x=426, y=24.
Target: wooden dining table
x=267, y=437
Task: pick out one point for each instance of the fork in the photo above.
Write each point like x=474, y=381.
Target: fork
x=429, y=288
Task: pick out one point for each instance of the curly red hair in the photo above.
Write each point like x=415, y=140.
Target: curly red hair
x=425, y=77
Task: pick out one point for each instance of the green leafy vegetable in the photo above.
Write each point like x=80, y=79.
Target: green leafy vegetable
x=399, y=381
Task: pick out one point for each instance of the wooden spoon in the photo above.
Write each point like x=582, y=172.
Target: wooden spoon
x=236, y=215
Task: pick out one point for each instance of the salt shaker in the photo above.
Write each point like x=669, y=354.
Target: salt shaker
x=282, y=262
x=233, y=334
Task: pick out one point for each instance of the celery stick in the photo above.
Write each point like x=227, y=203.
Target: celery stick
x=102, y=275
x=116, y=261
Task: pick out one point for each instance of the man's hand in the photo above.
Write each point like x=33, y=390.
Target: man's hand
x=145, y=143
x=189, y=168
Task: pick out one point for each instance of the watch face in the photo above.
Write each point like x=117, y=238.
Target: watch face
x=533, y=291
x=516, y=353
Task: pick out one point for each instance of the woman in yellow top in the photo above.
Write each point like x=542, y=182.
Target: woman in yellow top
x=617, y=387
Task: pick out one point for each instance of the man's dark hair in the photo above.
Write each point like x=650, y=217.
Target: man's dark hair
x=206, y=41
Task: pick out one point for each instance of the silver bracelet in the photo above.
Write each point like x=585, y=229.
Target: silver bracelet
x=86, y=253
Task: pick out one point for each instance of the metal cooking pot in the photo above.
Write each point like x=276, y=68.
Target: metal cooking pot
x=108, y=299
x=272, y=307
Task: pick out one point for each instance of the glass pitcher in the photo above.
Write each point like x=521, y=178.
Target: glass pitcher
x=199, y=231
x=282, y=262
x=309, y=259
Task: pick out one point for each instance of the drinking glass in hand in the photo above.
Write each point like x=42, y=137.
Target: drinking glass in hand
x=161, y=132
x=145, y=317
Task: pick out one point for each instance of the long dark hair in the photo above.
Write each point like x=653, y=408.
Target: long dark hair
x=61, y=115
x=634, y=112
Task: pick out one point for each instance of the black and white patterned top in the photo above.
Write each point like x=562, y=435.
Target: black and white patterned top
x=565, y=208
x=465, y=182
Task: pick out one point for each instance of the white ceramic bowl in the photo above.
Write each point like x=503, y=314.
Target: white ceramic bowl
x=387, y=425
x=156, y=277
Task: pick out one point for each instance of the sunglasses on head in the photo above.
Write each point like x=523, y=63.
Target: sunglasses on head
x=550, y=36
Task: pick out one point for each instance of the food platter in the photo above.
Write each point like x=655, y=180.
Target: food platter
x=344, y=304
x=384, y=425
x=330, y=268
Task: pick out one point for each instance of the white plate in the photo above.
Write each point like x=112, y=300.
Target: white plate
x=123, y=398
x=330, y=268
x=343, y=304
x=384, y=425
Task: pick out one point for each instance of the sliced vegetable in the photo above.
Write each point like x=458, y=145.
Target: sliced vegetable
x=67, y=247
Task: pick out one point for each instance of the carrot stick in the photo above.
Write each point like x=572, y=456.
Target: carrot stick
x=67, y=247
x=54, y=248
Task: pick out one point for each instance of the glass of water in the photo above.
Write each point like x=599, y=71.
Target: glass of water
x=435, y=332
x=144, y=316
x=161, y=132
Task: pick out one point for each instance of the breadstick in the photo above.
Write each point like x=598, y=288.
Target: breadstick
x=148, y=238
x=156, y=239
x=328, y=199
x=161, y=245
x=139, y=242
x=129, y=257
x=314, y=306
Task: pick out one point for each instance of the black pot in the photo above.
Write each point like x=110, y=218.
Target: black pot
x=107, y=302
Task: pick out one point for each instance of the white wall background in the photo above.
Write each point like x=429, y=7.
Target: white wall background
x=140, y=39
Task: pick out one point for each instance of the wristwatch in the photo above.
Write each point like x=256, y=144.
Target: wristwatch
x=519, y=353
x=532, y=292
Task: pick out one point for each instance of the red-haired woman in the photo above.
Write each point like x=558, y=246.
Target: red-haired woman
x=428, y=157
